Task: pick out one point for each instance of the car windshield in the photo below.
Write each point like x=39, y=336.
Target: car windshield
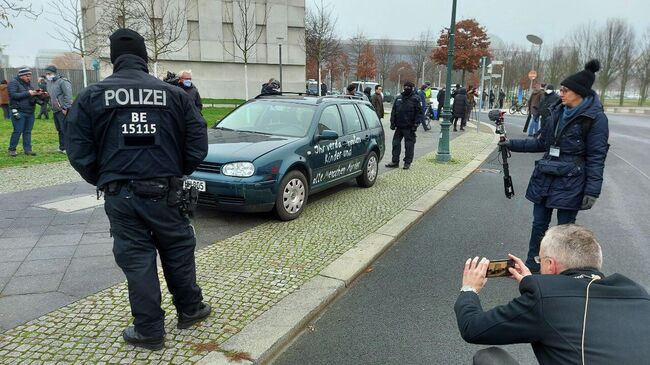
x=265, y=117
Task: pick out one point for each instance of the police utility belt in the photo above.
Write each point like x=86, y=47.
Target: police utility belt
x=170, y=189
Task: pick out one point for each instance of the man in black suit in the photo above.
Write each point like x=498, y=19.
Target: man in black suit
x=573, y=314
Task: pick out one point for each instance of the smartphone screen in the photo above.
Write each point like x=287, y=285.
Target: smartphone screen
x=499, y=268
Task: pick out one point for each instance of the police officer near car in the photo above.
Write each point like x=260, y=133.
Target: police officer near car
x=134, y=136
x=404, y=120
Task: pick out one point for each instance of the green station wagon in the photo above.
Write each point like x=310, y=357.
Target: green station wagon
x=272, y=152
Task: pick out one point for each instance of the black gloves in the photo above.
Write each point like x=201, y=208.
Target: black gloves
x=588, y=201
x=505, y=143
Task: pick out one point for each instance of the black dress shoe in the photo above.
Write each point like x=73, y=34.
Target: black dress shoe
x=187, y=320
x=132, y=337
x=407, y=166
x=392, y=164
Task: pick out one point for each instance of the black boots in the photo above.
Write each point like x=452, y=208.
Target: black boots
x=392, y=164
x=187, y=320
x=132, y=337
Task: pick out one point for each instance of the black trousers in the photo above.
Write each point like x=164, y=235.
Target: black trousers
x=462, y=122
x=408, y=135
x=140, y=227
x=527, y=123
x=59, y=123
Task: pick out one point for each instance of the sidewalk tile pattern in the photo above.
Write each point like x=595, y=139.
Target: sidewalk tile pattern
x=242, y=276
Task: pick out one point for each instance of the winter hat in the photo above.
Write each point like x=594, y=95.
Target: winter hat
x=550, y=87
x=127, y=41
x=24, y=71
x=51, y=69
x=582, y=81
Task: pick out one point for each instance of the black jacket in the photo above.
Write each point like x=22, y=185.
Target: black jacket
x=441, y=97
x=549, y=315
x=195, y=97
x=547, y=103
x=406, y=111
x=108, y=139
x=460, y=103
x=583, y=150
x=19, y=97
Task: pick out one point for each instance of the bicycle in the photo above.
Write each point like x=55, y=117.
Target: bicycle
x=521, y=108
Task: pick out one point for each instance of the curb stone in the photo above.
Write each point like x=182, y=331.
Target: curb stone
x=266, y=337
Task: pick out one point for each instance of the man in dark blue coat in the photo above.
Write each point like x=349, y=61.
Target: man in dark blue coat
x=134, y=136
x=404, y=120
x=571, y=315
x=569, y=176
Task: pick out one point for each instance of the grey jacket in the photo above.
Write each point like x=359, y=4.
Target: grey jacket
x=60, y=90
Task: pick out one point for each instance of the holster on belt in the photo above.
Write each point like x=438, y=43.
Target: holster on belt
x=150, y=189
x=184, y=199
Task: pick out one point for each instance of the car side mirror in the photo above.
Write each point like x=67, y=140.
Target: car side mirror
x=327, y=135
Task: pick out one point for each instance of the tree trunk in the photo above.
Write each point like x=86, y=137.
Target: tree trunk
x=319, y=80
x=462, y=78
x=155, y=69
x=246, y=79
x=83, y=61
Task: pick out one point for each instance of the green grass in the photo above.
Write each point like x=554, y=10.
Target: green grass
x=45, y=143
x=45, y=140
x=613, y=102
x=222, y=101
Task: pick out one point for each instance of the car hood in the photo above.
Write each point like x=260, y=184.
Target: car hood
x=227, y=146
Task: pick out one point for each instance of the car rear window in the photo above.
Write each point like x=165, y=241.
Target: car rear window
x=371, y=116
x=277, y=118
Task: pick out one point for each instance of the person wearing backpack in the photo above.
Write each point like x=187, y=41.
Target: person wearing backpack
x=60, y=90
x=569, y=176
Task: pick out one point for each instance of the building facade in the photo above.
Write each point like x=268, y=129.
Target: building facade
x=209, y=34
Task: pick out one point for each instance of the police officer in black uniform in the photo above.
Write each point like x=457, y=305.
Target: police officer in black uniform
x=134, y=136
x=404, y=120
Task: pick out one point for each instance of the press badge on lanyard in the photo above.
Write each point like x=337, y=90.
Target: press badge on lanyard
x=554, y=151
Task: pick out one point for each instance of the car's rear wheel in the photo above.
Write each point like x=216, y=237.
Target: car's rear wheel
x=292, y=196
x=370, y=171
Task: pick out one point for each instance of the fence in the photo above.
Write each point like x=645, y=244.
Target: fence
x=75, y=76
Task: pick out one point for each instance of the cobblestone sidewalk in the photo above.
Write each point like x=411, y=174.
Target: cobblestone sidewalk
x=242, y=276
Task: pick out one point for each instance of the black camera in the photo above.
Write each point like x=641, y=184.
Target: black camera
x=171, y=78
x=496, y=116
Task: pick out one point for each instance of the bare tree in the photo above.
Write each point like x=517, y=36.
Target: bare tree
x=626, y=60
x=385, y=59
x=562, y=61
x=585, y=40
x=13, y=9
x=67, y=16
x=357, y=43
x=642, y=67
x=420, y=54
x=321, y=42
x=610, y=41
x=118, y=14
x=163, y=29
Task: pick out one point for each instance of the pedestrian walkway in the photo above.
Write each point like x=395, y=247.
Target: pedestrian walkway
x=242, y=276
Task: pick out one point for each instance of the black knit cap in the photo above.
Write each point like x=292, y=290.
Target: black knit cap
x=409, y=84
x=582, y=81
x=127, y=41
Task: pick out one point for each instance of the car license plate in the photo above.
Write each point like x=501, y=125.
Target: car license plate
x=198, y=184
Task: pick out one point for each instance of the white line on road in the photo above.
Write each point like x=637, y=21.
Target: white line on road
x=74, y=204
x=629, y=163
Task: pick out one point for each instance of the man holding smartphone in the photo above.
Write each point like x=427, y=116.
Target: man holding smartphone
x=572, y=314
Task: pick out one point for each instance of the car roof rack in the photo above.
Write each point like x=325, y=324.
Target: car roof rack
x=283, y=93
x=351, y=97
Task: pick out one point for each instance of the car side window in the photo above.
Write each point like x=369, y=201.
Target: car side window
x=353, y=121
x=330, y=119
x=371, y=117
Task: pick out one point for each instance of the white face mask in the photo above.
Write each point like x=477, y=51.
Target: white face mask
x=549, y=91
x=49, y=77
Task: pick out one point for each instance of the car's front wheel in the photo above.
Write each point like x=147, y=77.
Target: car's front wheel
x=370, y=171
x=292, y=196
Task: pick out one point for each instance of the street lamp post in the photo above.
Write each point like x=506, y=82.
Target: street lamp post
x=399, y=80
x=443, y=143
x=536, y=41
x=280, y=39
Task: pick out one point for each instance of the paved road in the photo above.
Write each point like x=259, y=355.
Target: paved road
x=402, y=311
x=52, y=258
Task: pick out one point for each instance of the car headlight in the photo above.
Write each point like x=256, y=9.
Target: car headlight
x=238, y=169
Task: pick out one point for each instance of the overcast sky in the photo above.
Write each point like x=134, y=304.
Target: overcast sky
x=509, y=20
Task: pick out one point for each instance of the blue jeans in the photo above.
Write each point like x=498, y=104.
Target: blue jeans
x=22, y=126
x=534, y=125
x=541, y=220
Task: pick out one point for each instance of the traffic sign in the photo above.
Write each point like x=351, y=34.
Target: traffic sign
x=532, y=75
